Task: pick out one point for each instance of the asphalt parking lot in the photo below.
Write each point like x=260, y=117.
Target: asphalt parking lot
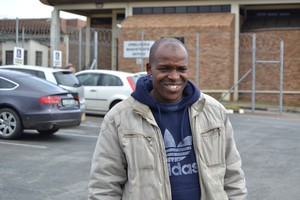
x=38, y=167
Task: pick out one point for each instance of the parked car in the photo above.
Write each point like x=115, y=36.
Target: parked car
x=105, y=88
x=61, y=77
x=28, y=102
x=142, y=73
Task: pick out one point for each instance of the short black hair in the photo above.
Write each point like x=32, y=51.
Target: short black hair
x=161, y=41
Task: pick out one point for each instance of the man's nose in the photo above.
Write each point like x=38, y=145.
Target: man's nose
x=174, y=74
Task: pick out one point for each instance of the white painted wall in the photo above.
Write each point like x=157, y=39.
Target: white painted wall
x=31, y=47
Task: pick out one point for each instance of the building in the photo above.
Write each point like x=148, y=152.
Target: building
x=33, y=35
x=218, y=34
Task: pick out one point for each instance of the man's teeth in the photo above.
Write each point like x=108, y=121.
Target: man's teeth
x=173, y=86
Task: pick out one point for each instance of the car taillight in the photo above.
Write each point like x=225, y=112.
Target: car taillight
x=131, y=83
x=50, y=100
x=77, y=98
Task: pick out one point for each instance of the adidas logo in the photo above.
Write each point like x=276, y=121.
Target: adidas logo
x=175, y=154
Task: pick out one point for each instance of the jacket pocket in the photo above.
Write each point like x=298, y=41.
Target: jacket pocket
x=139, y=152
x=144, y=192
x=212, y=148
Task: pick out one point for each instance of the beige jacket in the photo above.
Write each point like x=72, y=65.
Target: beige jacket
x=129, y=161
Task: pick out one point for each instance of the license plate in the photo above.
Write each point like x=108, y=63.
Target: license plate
x=69, y=102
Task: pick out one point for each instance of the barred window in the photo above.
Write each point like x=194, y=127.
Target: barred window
x=180, y=9
x=38, y=58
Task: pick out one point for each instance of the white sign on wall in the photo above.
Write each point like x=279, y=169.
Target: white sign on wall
x=18, y=56
x=57, y=59
x=137, y=49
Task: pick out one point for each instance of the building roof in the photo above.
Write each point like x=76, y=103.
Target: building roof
x=9, y=25
x=75, y=9
x=38, y=26
x=62, y=2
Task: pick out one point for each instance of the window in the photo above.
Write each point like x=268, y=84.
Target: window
x=216, y=9
x=38, y=58
x=147, y=10
x=170, y=10
x=9, y=57
x=110, y=80
x=192, y=9
x=101, y=21
x=6, y=84
x=158, y=10
x=181, y=9
x=25, y=57
x=66, y=78
x=120, y=16
x=271, y=19
x=89, y=79
x=29, y=71
x=204, y=9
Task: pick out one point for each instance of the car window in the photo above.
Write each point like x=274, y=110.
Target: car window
x=32, y=72
x=66, y=78
x=88, y=79
x=42, y=85
x=6, y=84
x=110, y=80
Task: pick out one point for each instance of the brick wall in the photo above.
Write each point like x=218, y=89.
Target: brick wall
x=216, y=53
x=215, y=64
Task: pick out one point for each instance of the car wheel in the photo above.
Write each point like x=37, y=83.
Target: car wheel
x=10, y=124
x=48, y=132
x=114, y=103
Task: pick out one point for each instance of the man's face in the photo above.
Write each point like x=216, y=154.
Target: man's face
x=169, y=72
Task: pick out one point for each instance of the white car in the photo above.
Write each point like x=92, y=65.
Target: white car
x=61, y=77
x=105, y=88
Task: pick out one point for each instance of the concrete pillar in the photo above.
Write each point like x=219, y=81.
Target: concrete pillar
x=54, y=33
x=235, y=8
x=88, y=43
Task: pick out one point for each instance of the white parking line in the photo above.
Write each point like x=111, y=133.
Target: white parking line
x=93, y=125
x=24, y=145
x=77, y=135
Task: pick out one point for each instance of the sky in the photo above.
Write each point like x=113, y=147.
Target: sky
x=12, y=9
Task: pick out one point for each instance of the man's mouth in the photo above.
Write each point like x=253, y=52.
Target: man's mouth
x=173, y=86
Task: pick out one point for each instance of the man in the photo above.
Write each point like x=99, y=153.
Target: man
x=70, y=67
x=168, y=140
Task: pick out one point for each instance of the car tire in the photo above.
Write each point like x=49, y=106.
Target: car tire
x=48, y=132
x=114, y=103
x=10, y=124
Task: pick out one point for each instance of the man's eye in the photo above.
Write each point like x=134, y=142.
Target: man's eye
x=164, y=70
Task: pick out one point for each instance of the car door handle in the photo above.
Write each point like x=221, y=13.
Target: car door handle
x=92, y=90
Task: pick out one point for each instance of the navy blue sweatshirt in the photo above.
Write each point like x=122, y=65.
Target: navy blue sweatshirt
x=173, y=121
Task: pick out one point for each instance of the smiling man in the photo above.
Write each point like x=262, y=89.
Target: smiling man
x=168, y=140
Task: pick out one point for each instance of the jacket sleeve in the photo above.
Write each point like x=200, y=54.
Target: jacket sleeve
x=108, y=170
x=234, y=182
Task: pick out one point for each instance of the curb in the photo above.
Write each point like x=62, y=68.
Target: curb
x=238, y=111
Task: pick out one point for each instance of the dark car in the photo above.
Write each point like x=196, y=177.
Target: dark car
x=28, y=102
x=62, y=77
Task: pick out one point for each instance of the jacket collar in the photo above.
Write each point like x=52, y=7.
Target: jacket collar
x=146, y=113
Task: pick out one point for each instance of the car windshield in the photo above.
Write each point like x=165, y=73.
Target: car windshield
x=66, y=78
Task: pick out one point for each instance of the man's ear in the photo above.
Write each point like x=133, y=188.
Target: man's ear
x=148, y=68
